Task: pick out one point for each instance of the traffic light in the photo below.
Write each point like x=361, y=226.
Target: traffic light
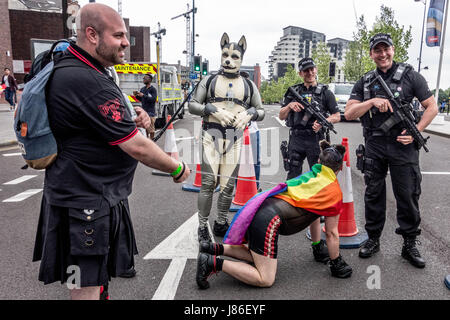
x=205, y=68
x=332, y=69
x=197, y=63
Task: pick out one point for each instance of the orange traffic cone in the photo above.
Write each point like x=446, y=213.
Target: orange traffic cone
x=196, y=185
x=246, y=185
x=348, y=232
x=170, y=147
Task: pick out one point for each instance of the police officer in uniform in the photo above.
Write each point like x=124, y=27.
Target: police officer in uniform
x=394, y=150
x=306, y=132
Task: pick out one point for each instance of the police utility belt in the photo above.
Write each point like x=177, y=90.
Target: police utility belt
x=302, y=132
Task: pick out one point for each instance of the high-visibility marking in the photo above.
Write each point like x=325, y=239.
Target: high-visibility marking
x=12, y=154
x=136, y=68
x=22, y=196
x=132, y=99
x=20, y=180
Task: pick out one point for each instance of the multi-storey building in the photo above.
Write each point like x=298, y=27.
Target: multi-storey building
x=298, y=43
x=295, y=44
x=338, y=48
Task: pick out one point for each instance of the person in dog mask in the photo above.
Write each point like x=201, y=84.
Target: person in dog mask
x=227, y=102
x=305, y=133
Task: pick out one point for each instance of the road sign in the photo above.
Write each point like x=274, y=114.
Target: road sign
x=193, y=76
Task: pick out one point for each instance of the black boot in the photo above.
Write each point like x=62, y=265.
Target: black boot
x=220, y=230
x=203, y=234
x=215, y=249
x=130, y=273
x=320, y=252
x=206, y=264
x=410, y=252
x=369, y=248
x=339, y=268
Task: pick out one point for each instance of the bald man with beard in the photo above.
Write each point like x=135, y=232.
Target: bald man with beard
x=85, y=234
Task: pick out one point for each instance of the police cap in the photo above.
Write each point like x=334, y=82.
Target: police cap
x=305, y=63
x=380, y=38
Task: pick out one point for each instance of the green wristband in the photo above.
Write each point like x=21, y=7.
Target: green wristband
x=176, y=172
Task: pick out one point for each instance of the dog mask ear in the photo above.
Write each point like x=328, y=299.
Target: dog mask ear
x=225, y=40
x=243, y=44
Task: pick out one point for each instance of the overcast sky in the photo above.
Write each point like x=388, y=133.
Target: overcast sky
x=262, y=23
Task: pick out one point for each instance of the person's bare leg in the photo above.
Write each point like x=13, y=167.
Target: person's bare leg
x=240, y=252
x=87, y=293
x=260, y=275
x=314, y=229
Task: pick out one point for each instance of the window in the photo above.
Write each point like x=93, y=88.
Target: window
x=132, y=41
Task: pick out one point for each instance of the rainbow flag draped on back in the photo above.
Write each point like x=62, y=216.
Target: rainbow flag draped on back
x=317, y=191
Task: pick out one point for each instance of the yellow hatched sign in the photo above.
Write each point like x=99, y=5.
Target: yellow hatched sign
x=136, y=68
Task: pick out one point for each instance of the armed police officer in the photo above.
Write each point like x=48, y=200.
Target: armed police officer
x=306, y=132
x=388, y=145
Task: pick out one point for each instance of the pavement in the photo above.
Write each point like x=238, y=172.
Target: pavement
x=440, y=126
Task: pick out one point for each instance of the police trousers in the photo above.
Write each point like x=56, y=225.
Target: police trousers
x=383, y=153
x=302, y=144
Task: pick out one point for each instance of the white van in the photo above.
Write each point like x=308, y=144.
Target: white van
x=342, y=93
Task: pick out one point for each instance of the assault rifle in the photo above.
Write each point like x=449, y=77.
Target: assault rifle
x=312, y=109
x=402, y=113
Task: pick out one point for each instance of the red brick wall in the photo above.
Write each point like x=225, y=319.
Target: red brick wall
x=141, y=51
x=5, y=37
x=26, y=25
x=29, y=24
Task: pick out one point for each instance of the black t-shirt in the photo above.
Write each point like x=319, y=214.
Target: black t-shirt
x=89, y=119
x=413, y=84
x=328, y=100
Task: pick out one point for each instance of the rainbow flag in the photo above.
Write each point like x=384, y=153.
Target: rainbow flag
x=317, y=191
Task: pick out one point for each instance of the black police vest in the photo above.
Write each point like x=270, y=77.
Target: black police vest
x=294, y=119
x=374, y=119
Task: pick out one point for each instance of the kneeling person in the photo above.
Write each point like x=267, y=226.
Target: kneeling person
x=287, y=209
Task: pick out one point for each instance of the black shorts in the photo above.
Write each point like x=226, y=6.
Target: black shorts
x=275, y=217
x=100, y=244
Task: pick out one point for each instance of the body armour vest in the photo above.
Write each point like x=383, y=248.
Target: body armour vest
x=372, y=89
x=300, y=119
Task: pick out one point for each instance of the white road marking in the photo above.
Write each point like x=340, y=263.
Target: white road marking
x=20, y=180
x=22, y=196
x=443, y=173
x=281, y=122
x=429, y=173
x=179, y=246
x=12, y=154
x=169, y=284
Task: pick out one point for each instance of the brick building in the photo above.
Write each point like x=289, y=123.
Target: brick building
x=5, y=38
x=42, y=19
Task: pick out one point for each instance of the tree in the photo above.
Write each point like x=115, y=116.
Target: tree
x=358, y=61
x=322, y=59
x=274, y=91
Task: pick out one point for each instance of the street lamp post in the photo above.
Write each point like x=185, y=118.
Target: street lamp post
x=423, y=27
